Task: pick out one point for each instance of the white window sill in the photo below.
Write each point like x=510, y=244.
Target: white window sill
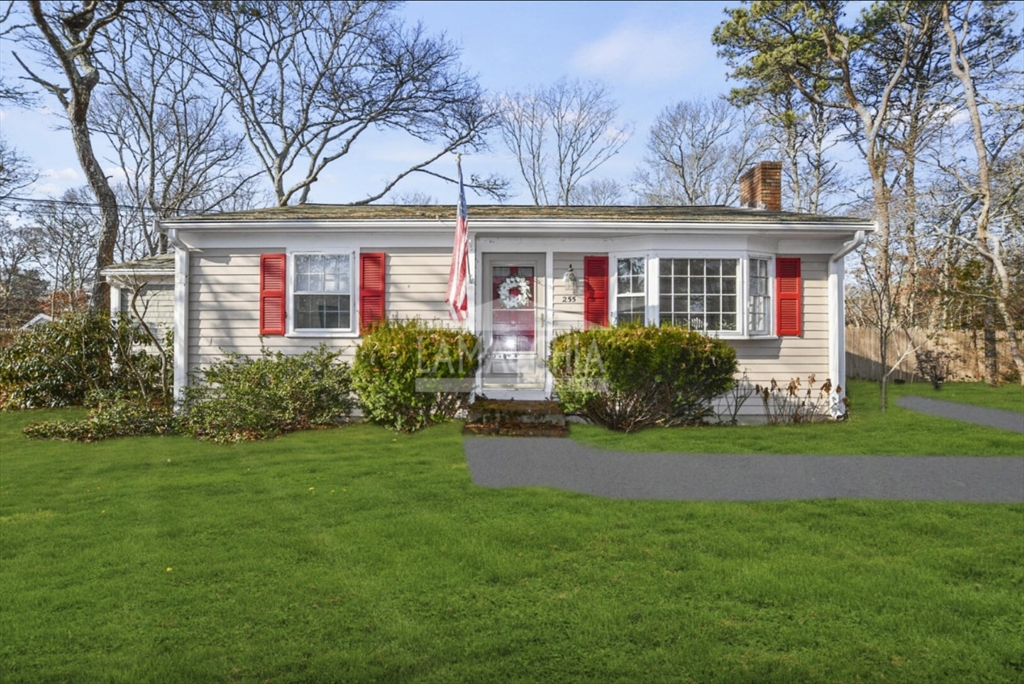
x=333, y=334
x=736, y=336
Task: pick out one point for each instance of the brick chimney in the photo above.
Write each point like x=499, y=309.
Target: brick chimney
x=761, y=186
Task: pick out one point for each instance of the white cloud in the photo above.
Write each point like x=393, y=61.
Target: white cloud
x=67, y=175
x=645, y=56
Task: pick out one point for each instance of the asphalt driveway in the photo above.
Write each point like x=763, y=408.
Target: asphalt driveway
x=564, y=464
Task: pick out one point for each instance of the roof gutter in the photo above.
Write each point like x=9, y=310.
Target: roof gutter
x=859, y=238
x=837, y=321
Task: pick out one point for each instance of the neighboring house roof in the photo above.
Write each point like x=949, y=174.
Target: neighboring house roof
x=612, y=214
x=36, y=320
x=161, y=264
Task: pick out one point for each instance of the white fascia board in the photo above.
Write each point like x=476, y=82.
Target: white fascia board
x=305, y=241
x=486, y=226
x=313, y=226
x=584, y=227
x=131, y=272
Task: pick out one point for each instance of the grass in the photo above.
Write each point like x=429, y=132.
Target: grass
x=1007, y=397
x=357, y=555
x=897, y=432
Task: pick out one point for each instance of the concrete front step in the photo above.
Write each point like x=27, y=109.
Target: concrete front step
x=516, y=418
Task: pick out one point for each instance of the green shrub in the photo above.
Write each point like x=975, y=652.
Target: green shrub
x=60, y=362
x=407, y=374
x=115, y=415
x=630, y=377
x=241, y=398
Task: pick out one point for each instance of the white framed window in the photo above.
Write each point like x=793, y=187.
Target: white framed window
x=630, y=290
x=322, y=286
x=759, y=298
x=727, y=294
x=702, y=294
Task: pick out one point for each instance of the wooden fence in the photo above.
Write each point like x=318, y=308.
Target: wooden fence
x=968, y=346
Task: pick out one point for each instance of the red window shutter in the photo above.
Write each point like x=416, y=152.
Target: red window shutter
x=595, y=292
x=371, y=289
x=788, y=288
x=272, y=293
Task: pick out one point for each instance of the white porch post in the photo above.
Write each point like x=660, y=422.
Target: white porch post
x=181, y=332
x=836, y=323
x=549, y=318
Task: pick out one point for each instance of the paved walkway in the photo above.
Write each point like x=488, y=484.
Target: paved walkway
x=564, y=464
x=1005, y=420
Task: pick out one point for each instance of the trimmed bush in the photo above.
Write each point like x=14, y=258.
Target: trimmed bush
x=631, y=377
x=407, y=374
x=240, y=398
x=113, y=416
x=60, y=362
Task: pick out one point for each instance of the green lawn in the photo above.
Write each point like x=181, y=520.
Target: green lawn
x=1008, y=397
x=897, y=432
x=355, y=555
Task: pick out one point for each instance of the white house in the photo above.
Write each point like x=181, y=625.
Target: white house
x=290, y=278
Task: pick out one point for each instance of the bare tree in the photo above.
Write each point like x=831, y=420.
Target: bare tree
x=696, y=152
x=308, y=79
x=62, y=238
x=559, y=135
x=415, y=199
x=524, y=121
x=63, y=34
x=9, y=92
x=171, y=136
x=21, y=286
x=600, y=192
x=990, y=142
x=16, y=171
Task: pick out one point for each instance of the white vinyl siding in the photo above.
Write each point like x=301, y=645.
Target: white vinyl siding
x=155, y=302
x=224, y=301
x=567, y=306
x=785, y=358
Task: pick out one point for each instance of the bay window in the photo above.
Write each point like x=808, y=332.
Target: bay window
x=707, y=294
x=630, y=294
x=758, y=298
x=700, y=294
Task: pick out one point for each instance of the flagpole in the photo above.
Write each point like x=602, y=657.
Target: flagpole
x=457, y=297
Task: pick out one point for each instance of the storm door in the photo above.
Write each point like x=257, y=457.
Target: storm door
x=513, y=322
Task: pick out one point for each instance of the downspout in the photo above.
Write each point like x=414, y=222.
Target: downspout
x=837, y=311
x=181, y=332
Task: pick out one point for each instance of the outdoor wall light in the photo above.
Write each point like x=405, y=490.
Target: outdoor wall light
x=570, y=281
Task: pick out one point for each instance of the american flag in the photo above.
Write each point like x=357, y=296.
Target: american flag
x=456, y=297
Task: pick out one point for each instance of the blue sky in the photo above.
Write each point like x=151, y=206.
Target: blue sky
x=649, y=54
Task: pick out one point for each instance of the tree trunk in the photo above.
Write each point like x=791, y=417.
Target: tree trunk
x=990, y=250
x=109, y=220
x=991, y=350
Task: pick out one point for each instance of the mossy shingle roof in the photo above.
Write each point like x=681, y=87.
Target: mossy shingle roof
x=378, y=212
